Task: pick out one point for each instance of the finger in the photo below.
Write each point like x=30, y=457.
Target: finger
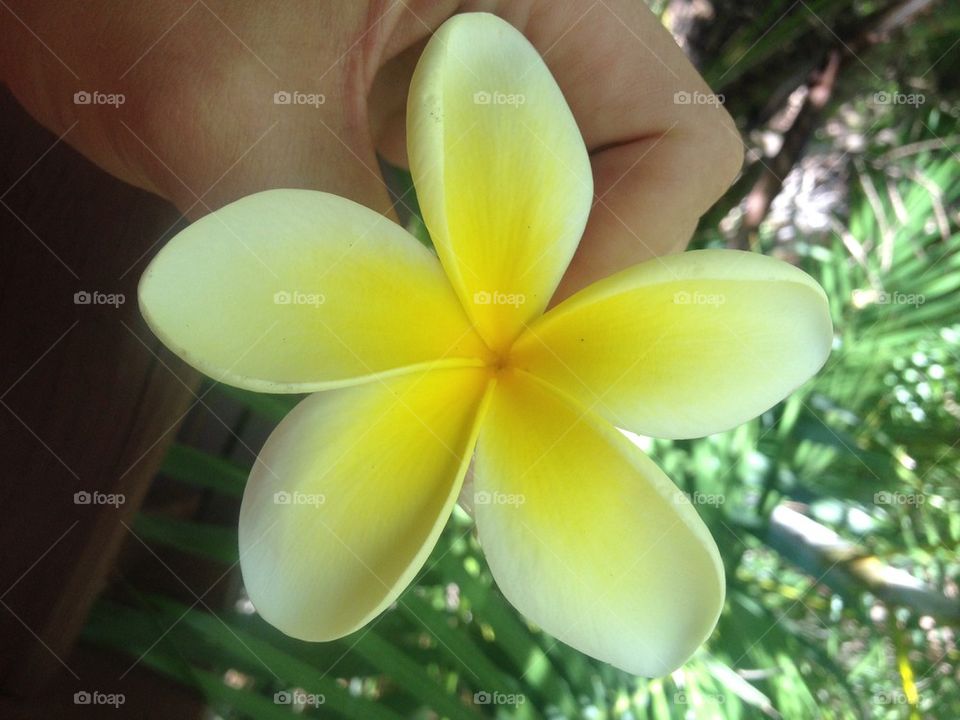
x=658, y=162
x=260, y=116
x=285, y=148
x=412, y=24
x=198, y=122
x=388, y=104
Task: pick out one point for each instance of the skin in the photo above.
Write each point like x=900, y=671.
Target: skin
x=199, y=126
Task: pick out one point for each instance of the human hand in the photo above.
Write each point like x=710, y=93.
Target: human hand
x=199, y=125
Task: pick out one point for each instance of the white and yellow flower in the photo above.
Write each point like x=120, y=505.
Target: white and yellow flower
x=421, y=363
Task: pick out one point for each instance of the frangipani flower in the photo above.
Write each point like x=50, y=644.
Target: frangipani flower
x=420, y=363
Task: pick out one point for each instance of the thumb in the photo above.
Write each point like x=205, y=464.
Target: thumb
x=290, y=146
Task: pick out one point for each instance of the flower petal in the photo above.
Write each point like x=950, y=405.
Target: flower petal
x=685, y=345
x=587, y=537
x=296, y=291
x=349, y=496
x=501, y=170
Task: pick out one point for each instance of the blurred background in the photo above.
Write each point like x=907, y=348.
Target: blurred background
x=837, y=512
